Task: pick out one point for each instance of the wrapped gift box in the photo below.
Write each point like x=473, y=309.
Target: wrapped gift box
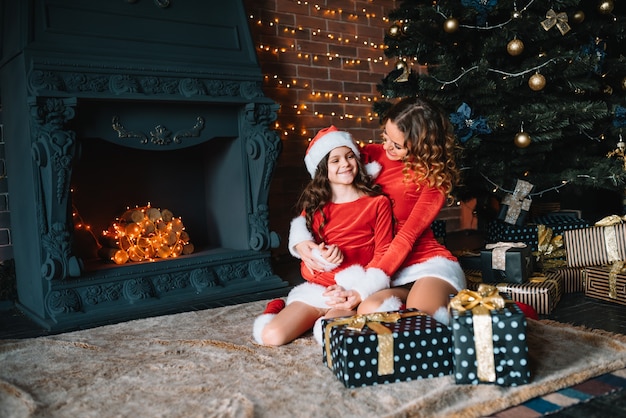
x=387, y=347
x=572, y=278
x=498, y=231
x=606, y=283
x=595, y=245
x=439, y=229
x=543, y=293
x=515, y=205
x=502, y=262
x=489, y=344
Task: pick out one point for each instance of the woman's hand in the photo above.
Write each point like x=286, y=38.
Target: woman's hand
x=330, y=254
x=340, y=298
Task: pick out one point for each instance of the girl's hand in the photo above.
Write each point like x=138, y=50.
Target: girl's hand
x=340, y=298
x=331, y=253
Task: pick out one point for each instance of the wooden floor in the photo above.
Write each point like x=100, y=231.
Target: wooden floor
x=574, y=309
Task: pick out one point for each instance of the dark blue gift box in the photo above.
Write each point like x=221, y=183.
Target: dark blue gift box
x=509, y=349
x=498, y=231
x=519, y=265
x=421, y=347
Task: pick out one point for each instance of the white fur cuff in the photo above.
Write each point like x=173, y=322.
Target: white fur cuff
x=259, y=324
x=365, y=282
x=373, y=169
x=298, y=232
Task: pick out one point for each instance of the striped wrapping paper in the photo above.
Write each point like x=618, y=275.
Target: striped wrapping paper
x=572, y=278
x=596, y=245
x=542, y=293
x=598, y=285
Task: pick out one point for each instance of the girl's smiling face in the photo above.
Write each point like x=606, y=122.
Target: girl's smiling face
x=342, y=166
x=394, y=142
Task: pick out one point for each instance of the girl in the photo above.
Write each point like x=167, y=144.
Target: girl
x=351, y=219
x=415, y=166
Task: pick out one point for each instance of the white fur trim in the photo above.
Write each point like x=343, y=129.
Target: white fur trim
x=298, y=232
x=318, y=256
x=259, y=324
x=350, y=276
x=439, y=267
x=365, y=282
x=309, y=293
x=442, y=315
x=318, y=333
x=391, y=304
x=325, y=144
x=373, y=169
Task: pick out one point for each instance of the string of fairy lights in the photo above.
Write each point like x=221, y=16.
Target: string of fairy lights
x=374, y=46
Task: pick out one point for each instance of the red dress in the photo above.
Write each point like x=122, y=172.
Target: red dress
x=414, y=211
x=362, y=229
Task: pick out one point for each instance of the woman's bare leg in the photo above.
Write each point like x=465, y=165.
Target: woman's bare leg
x=373, y=302
x=428, y=294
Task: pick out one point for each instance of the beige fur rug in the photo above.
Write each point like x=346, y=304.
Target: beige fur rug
x=206, y=364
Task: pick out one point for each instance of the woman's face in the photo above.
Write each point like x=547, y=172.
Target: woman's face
x=394, y=142
x=342, y=166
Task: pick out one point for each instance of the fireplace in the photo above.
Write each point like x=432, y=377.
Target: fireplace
x=167, y=112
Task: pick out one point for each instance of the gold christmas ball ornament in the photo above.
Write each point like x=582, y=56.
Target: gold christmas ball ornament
x=623, y=83
x=578, y=17
x=522, y=139
x=394, y=30
x=537, y=82
x=605, y=6
x=515, y=47
x=451, y=25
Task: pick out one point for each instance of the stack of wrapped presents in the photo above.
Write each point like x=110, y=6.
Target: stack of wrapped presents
x=522, y=263
x=484, y=343
x=528, y=260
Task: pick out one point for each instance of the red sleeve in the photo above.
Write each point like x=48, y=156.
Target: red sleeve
x=383, y=233
x=424, y=212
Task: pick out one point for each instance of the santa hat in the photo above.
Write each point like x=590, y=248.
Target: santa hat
x=324, y=142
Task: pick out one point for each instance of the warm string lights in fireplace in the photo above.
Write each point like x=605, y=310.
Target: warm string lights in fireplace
x=145, y=234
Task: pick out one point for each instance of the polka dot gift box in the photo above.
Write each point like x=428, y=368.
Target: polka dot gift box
x=489, y=339
x=386, y=347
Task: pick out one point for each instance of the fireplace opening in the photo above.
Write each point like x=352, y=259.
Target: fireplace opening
x=199, y=180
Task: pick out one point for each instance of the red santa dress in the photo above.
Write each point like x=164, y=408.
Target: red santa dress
x=363, y=230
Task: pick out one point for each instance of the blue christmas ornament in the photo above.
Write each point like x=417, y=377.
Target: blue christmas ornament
x=465, y=127
x=483, y=7
x=620, y=117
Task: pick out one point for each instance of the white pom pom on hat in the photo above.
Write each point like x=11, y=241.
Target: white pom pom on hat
x=324, y=142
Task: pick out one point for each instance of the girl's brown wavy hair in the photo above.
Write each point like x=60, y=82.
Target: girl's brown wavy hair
x=317, y=192
x=430, y=141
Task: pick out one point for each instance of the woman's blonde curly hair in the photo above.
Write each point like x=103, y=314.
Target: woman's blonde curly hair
x=430, y=142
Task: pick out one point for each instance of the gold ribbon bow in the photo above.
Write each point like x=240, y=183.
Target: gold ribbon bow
x=550, y=250
x=611, y=220
x=480, y=303
x=498, y=255
x=558, y=19
x=518, y=201
x=384, y=335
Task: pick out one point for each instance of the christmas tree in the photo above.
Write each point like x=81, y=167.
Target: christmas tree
x=535, y=89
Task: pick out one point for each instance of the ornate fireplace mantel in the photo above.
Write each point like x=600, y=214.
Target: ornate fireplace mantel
x=180, y=81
